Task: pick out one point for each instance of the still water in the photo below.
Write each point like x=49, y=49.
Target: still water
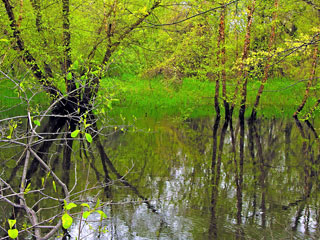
x=205, y=179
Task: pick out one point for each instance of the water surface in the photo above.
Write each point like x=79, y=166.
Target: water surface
x=205, y=179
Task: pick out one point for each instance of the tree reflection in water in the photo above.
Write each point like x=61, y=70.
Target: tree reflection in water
x=208, y=179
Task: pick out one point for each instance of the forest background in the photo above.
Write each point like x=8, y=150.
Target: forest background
x=193, y=53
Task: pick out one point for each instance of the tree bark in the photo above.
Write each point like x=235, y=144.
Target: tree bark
x=221, y=59
x=312, y=75
x=244, y=57
x=267, y=67
x=242, y=72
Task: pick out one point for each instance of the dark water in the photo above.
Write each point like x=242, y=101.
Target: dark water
x=205, y=179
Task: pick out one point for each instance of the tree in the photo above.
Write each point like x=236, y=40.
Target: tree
x=267, y=66
x=47, y=37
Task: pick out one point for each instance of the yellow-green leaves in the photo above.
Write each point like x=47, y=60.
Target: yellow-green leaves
x=11, y=222
x=13, y=233
x=88, y=137
x=75, y=65
x=66, y=218
x=69, y=76
x=102, y=214
x=54, y=186
x=86, y=214
x=28, y=188
x=70, y=206
x=75, y=133
x=37, y=122
x=4, y=40
x=66, y=221
x=12, y=126
x=85, y=205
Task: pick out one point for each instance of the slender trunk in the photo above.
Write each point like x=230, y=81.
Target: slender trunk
x=312, y=75
x=267, y=67
x=245, y=56
x=220, y=59
x=70, y=83
x=223, y=62
x=243, y=72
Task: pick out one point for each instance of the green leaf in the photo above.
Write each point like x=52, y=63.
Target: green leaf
x=69, y=76
x=102, y=214
x=54, y=186
x=88, y=137
x=28, y=188
x=11, y=222
x=75, y=65
x=86, y=214
x=109, y=105
x=70, y=206
x=66, y=221
x=85, y=205
x=13, y=233
x=37, y=122
x=42, y=182
x=97, y=204
x=75, y=133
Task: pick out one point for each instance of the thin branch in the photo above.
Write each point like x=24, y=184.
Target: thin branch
x=195, y=15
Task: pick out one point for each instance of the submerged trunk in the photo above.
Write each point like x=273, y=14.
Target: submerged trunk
x=267, y=67
x=223, y=62
x=312, y=75
x=243, y=72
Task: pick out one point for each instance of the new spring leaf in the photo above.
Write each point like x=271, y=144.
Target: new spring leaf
x=88, y=137
x=13, y=233
x=75, y=133
x=66, y=221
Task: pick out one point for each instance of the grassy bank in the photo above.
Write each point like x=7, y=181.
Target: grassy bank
x=193, y=98
x=188, y=98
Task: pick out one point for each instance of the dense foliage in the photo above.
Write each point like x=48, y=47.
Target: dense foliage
x=168, y=38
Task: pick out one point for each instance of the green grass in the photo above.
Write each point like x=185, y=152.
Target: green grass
x=188, y=98
x=10, y=103
x=156, y=98
x=193, y=98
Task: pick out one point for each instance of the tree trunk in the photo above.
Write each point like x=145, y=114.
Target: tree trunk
x=223, y=61
x=244, y=57
x=312, y=75
x=267, y=67
x=243, y=73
